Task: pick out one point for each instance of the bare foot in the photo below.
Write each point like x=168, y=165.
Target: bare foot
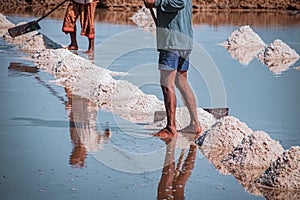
x=89, y=51
x=164, y=133
x=72, y=48
x=191, y=129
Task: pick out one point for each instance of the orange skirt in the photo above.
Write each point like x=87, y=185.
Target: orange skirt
x=86, y=12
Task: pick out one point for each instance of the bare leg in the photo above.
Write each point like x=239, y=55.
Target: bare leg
x=91, y=46
x=167, y=81
x=73, y=45
x=190, y=102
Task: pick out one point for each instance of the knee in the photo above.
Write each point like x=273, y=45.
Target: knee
x=181, y=84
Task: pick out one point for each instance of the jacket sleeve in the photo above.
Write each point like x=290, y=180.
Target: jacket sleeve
x=170, y=5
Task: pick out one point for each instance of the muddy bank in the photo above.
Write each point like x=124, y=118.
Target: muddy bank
x=213, y=18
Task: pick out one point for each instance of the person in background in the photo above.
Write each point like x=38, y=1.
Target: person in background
x=85, y=9
x=174, y=42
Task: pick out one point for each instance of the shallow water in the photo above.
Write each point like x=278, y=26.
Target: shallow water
x=41, y=126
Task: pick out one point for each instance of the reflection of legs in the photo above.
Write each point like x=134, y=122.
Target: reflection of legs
x=189, y=100
x=181, y=179
x=167, y=80
x=165, y=189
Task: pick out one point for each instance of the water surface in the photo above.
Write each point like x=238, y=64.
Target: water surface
x=43, y=151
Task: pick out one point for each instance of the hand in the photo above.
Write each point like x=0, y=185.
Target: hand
x=149, y=3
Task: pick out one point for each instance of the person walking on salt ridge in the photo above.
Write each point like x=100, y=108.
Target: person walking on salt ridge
x=85, y=9
x=174, y=43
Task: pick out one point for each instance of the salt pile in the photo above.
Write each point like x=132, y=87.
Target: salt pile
x=284, y=173
x=244, y=36
x=32, y=41
x=245, y=154
x=95, y=83
x=251, y=158
x=278, y=194
x=278, y=50
x=143, y=18
x=244, y=45
x=222, y=138
x=129, y=102
x=278, y=56
x=5, y=24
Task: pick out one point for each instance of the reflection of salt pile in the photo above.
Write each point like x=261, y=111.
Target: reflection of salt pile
x=244, y=44
x=222, y=138
x=244, y=54
x=278, y=56
x=143, y=18
x=284, y=173
x=183, y=119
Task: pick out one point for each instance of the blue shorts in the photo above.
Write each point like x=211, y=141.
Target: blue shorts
x=174, y=60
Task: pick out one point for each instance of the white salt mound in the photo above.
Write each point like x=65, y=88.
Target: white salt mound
x=256, y=150
x=244, y=36
x=95, y=83
x=278, y=56
x=284, y=173
x=278, y=50
x=32, y=41
x=39, y=42
x=222, y=138
x=4, y=23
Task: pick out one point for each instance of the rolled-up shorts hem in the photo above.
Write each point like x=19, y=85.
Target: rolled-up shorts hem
x=174, y=60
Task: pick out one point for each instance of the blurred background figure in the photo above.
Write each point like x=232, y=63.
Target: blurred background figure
x=85, y=9
x=83, y=128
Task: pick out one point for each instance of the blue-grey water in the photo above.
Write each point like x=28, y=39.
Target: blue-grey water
x=37, y=146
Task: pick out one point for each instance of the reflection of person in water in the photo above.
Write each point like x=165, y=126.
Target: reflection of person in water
x=173, y=180
x=83, y=128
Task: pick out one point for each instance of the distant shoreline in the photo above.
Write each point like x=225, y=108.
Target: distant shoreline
x=214, y=18
x=204, y=5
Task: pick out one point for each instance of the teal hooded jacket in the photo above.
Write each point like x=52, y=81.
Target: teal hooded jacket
x=174, y=24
